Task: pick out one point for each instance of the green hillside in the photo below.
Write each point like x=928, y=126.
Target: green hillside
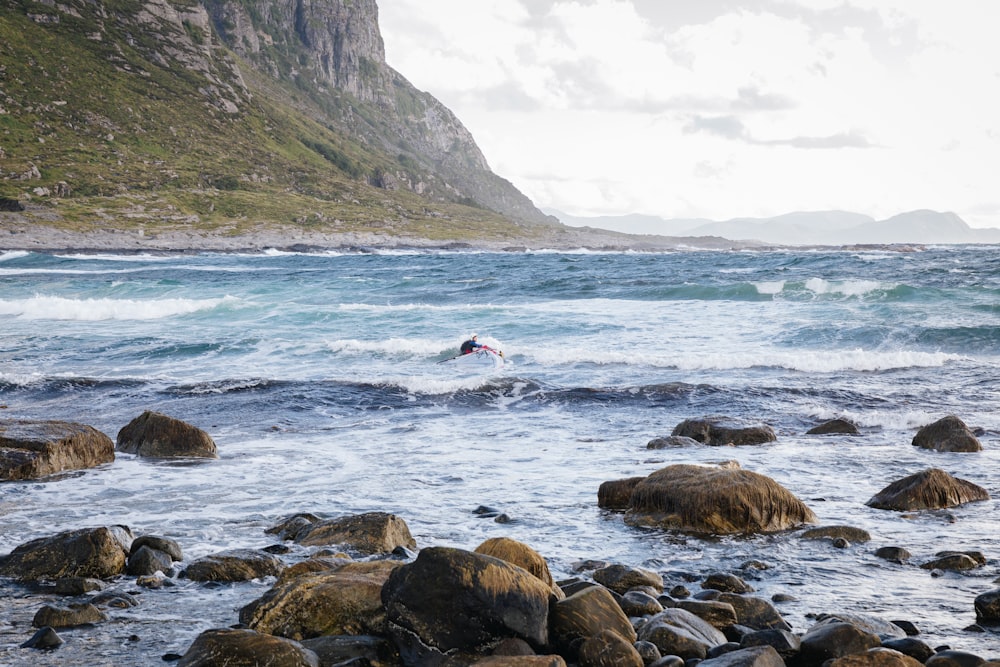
x=103, y=126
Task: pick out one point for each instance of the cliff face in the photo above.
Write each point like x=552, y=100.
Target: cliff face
x=323, y=60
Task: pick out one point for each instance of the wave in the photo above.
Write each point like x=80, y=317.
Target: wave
x=61, y=308
x=13, y=254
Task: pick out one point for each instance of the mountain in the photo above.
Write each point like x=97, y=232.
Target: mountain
x=231, y=114
x=804, y=228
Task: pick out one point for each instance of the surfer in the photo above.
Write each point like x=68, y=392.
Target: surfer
x=471, y=345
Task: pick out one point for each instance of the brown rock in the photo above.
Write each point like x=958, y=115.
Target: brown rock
x=156, y=435
x=617, y=494
x=245, y=648
x=681, y=633
x=834, y=427
x=717, y=500
x=719, y=431
x=99, y=553
x=234, y=565
x=33, y=449
x=948, y=434
x=877, y=657
x=608, y=649
x=622, y=578
x=370, y=533
x=929, y=489
x=68, y=616
x=586, y=613
x=519, y=554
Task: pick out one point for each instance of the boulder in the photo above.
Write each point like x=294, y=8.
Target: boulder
x=148, y=561
x=622, y=578
x=164, y=544
x=835, y=427
x=584, y=614
x=953, y=658
x=639, y=603
x=719, y=614
x=719, y=500
x=368, y=534
x=948, y=434
x=517, y=553
x=884, y=629
x=754, y=612
x=928, y=489
x=520, y=661
x=608, y=649
x=353, y=650
x=987, y=607
x=729, y=583
x=876, y=657
x=234, y=565
x=452, y=600
x=832, y=638
x=681, y=633
x=955, y=562
x=617, y=494
x=718, y=431
x=32, y=449
x=754, y=656
x=784, y=642
x=99, y=553
x=69, y=616
x=245, y=648
x=671, y=441
x=849, y=533
x=156, y=435
x=345, y=601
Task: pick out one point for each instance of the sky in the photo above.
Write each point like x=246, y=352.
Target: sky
x=720, y=109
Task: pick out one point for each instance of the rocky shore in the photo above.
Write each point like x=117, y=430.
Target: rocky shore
x=359, y=590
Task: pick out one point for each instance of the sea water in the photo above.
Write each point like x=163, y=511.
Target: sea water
x=317, y=375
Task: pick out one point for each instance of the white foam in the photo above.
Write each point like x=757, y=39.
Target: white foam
x=845, y=287
x=770, y=287
x=13, y=254
x=60, y=308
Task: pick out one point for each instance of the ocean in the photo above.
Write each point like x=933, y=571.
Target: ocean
x=317, y=375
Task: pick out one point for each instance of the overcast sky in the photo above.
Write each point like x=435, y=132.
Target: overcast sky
x=720, y=108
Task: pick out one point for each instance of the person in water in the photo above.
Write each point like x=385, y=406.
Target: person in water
x=471, y=345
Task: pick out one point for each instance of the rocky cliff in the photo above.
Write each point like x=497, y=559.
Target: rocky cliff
x=152, y=100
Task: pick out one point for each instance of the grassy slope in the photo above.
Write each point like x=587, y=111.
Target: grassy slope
x=137, y=144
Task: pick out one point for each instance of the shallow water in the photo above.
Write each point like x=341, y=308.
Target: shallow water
x=317, y=376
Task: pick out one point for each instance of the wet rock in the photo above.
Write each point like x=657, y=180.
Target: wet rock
x=312, y=566
x=730, y=583
x=345, y=601
x=521, y=661
x=517, y=553
x=718, y=431
x=44, y=638
x=608, y=649
x=147, y=560
x=835, y=427
x=291, y=527
x=884, y=629
x=234, y=565
x=370, y=533
x=681, y=633
x=353, y=649
x=956, y=562
x=245, y=648
x=948, y=434
x=78, y=586
x=833, y=638
x=849, y=533
x=987, y=607
x=783, y=641
x=894, y=554
x=648, y=651
x=672, y=441
x=719, y=614
x=639, y=603
x=97, y=553
x=715, y=500
x=757, y=656
x=911, y=647
x=754, y=612
x=617, y=494
x=156, y=435
x=621, y=578
x=68, y=616
x=951, y=658
x=454, y=600
x=164, y=544
x=584, y=614
x=876, y=657
x=33, y=449
x=928, y=489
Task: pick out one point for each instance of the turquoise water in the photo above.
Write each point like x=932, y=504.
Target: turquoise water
x=317, y=376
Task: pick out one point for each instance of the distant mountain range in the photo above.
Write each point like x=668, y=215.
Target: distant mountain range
x=802, y=228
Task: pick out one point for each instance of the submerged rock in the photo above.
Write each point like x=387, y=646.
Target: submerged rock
x=718, y=431
x=32, y=449
x=156, y=435
x=928, y=489
x=719, y=500
x=835, y=427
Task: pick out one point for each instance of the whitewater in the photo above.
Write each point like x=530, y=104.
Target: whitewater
x=317, y=376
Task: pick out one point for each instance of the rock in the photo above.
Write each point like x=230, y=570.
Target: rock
x=756, y=656
x=368, y=534
x=929, y=489
x=948, y=434
x=234, y=565
x=520, y=661
x=719, y=614
x=849, y=533
x=98, y=553
x=608, y=649
x=583, y=615
x=783, y=641
x=835, y=427
x=754, y=612
x=956, y=562
x=724, y=431
x=730, y=583
x=876, y=657
x=987, y=607
x=345, y=601
x=156, y=435
x=343, y=649
x=895, y=554
x=291, y=527
x=621, y=578
x=648, y=651
x=950, y=658
x=834, y=639
x=68, y=616
x=617, y=494
x=519, y=554
x=33, y=449
x=78, y=586
x=639, y=603
x=715, y=500
x=45, y=638
x=672, y=441
x=884, y=629
x=147, y=560
x=245, y=648
x=681, y=633
x=455, y=600
x=911, y=647
x=164, y=544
